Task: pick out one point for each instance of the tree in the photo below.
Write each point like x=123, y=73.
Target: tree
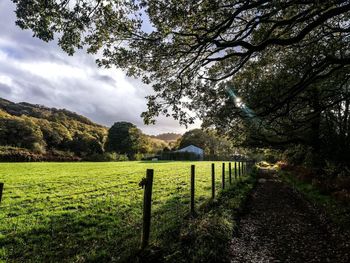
x=15, y=131
x=288, y=60
x=299, y=121
x=196, y=137
x=192, y=46
x=83, y=144
x=55, y=134
x=125, y=138
x=209, y=140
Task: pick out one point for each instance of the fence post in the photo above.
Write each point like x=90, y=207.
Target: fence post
x=192, y=189
x=213, y=180
x=1, y=190
x=239, y=169
x=147, y=204
x=223, y=175
x=230, y=172
x=235, y=170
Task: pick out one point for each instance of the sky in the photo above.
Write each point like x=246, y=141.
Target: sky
x=37, y=72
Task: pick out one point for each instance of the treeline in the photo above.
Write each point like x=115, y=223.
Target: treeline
x=36, y=133
x=55, y=134
x=169, y=136
x=215, y=146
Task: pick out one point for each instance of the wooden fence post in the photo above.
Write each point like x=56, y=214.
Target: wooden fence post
x=223, y=175
x=1, y=190
x=239, y=169
x=213, y=180
x=230, y=172
x=235, y=170
x=192, y=189
x=147, y=204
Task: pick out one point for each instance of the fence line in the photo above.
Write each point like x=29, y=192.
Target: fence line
x=241, y=168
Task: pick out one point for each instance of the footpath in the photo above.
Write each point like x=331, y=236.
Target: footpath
x=279, y=225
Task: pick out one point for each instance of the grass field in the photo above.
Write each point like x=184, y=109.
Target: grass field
x=85, y=212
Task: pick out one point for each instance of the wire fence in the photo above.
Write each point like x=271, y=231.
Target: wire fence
x=120, y=207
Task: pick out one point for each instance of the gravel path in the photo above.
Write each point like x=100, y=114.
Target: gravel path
x=280, y=226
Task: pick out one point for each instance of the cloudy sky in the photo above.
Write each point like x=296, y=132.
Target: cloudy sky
x=37, y=72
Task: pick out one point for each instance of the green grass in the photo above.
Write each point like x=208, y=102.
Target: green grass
x=337, y=212
x=86, y=212
x=207, y=237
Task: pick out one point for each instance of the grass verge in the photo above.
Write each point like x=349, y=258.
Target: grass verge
x=206, y=237
x=338, y=213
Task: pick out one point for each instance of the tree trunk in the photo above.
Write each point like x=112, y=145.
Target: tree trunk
x=315, y=140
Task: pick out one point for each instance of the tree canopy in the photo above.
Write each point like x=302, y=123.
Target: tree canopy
x=214, y=145
x=190, y=46
x=126, y=138
x=270, y=72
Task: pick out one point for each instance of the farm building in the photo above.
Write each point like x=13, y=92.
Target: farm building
x=193, y=149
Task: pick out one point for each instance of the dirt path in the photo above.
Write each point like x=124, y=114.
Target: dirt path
x=280, y=226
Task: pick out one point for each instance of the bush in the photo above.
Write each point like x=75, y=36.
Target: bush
x=295, y=155
x=15, y=154
x=107, y=157
x=138, y=156
x=122, y=157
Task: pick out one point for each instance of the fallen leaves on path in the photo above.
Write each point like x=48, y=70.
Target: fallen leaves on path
x=279, y=225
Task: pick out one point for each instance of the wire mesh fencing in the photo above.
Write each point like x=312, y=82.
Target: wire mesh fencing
x=109, y=209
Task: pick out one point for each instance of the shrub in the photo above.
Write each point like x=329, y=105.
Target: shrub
x=295, y=155
x=15, y=154
x=138, y=156
x=122, y=157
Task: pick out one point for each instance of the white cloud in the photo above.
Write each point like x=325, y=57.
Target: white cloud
x=6, y=80
x=38, y=72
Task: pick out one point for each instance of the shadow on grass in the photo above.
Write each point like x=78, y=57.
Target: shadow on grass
x=105, y=235
x=99, y=233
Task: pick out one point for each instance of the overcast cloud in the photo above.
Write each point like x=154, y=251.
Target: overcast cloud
x=37, y=72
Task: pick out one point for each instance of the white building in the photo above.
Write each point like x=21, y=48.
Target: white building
x=193, y=149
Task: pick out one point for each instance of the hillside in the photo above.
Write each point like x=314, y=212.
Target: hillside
x=42, y=112
x=47, y=131
x=31, y=132
x=168, y=137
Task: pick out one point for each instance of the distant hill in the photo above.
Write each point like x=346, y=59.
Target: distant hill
x=168, y=137
x=32, y=132
x=48, y=131
x=42, y=112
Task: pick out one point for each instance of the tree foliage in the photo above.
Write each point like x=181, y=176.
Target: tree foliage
x=288, y=60
x=126, y=138
x=42, y=129
x=214, y=145
x=191, y=46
